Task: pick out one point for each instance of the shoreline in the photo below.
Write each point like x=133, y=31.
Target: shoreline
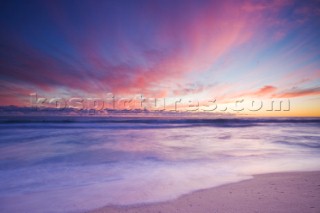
x=272, y=192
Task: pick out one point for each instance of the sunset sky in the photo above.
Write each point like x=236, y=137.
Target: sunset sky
x=199, y=50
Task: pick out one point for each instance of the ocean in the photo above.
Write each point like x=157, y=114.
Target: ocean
x=66, y=164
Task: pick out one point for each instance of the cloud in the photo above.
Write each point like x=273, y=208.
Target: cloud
x=265, y=90
x=142, y=47
x=271, y=92
x=299, y=93
x=105, y=46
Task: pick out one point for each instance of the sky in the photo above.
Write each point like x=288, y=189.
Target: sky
x=231, y=54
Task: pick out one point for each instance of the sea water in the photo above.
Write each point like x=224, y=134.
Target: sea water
x=74, y=165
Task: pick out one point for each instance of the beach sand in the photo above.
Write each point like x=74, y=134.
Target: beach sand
x=277, y=192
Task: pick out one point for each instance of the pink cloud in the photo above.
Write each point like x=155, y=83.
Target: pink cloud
x=265, y=90
x=299, y=93
x=165, y=46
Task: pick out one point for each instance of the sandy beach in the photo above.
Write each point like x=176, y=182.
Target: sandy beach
x=276, y=192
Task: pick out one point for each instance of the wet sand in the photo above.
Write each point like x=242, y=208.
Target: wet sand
x=276, y=192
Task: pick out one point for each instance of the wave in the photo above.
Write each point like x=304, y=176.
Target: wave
x=138, y=120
